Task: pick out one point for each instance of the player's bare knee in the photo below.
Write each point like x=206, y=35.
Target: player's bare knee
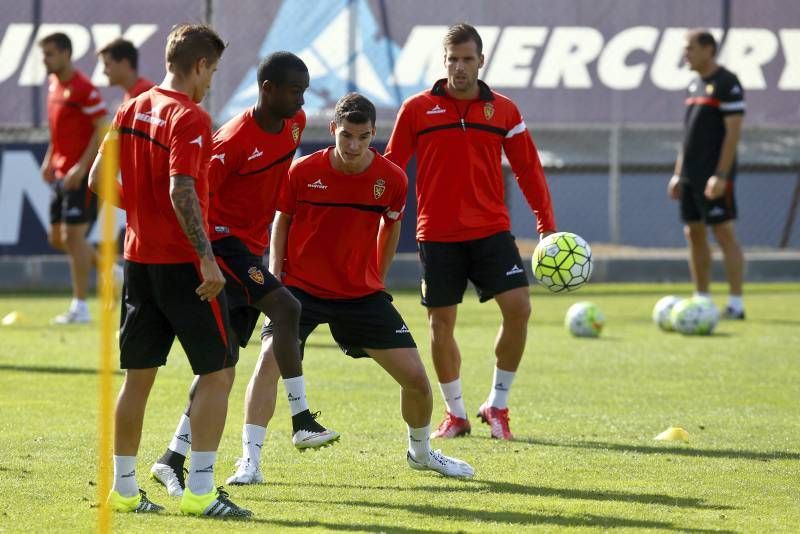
x=218, y=381
x=441, y=329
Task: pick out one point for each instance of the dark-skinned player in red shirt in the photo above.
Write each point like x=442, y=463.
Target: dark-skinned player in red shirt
x=333, y=238
x=249, y=164
x=173, y=285
x=459, y=130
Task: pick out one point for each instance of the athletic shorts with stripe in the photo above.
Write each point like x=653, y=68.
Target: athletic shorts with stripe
x=492, y=264
x=695, y=207
x=370, y=322
x=247, y=282
x=76, y=206
x=159, y=303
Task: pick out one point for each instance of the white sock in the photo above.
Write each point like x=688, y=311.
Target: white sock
x=78, y=305
x=182, y=440
x=296, y=393
x=201, y=472
x=736, y=302
x=252, y=441
x=419, y=443
x=125, y=476
x=702, y=294
x=501, y=387
x=451, y=392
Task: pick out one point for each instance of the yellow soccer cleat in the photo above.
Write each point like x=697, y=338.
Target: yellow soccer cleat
x=138, y=504
x=213, y=504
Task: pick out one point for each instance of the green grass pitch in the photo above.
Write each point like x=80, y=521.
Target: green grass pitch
x=585, y=412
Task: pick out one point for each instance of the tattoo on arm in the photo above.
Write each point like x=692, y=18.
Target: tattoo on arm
x=190, y=216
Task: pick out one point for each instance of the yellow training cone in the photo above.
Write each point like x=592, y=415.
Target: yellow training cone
x=12, y=318
x=673, y=433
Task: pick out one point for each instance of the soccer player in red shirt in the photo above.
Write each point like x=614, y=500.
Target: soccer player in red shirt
x=333, y=238
x=121, y=63
x=459, y=129
x=250, y=160
x=172, y=280
x=75, y=111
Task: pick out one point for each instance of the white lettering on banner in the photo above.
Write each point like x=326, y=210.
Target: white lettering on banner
x=511, y=62
x=13, y=47
x=668, y=71
x=745, y=51
x=790, y=78
x=612, y=67
x=102, y=34
x=20, y=179
x=33, y=71
x=567, y=56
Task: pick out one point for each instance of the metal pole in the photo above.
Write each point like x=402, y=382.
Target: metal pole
x=726, y=21
x=352, y=7
x=36, y=90
x=614, y=184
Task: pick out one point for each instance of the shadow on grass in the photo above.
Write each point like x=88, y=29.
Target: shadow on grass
x=679, y=450
x=519, y=518
x=53, y=370
x=473, y=486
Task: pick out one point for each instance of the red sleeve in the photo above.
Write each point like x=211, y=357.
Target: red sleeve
x=189, y=135
x=92, y=103
x=397, y=203
x=287, y=201
x=524, y=159
x=403, y=141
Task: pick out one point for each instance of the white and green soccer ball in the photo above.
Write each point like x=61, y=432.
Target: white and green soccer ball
x=562, y=262
x=584, y=319
x=662, y=310
x=695, y=316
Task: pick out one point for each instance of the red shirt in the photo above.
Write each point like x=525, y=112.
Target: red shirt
x=459, y=144
x=72, y=108
x=141, y=85
x=162, y=133
x=247, y=170
x=332, y=247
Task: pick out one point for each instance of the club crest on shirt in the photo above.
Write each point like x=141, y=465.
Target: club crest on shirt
x=379, y=188
x=256, y=275
x=67, y=92
x=295, y=132
x=488, y=111
x=709, y=88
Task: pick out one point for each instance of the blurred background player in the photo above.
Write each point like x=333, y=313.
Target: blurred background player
x=334, y=238
x=120, y=65
x=75, y=112
x=458, y=130
x=172, y=280
x=705, y=169
x=249, y=164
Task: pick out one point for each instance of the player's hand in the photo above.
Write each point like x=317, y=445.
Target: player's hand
x=674, y=187
x=213, y=280
x=715, y=187
x=48, y=174
x=73, y=178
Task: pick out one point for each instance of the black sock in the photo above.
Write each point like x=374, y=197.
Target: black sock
x=305, y=420
x=173, y=459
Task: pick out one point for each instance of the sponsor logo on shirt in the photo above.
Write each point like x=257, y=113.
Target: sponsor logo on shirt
x=318, y=185
x=222, y=230
x=403, y=330
x=197, y=141
x=150, y=117
x=488, y=111
x=256, y=154
x=220, y=157
x=378, y=188
x=256, y=275
x=435, y=110
x=736, y=90
x=295, y=132
x=514, y=270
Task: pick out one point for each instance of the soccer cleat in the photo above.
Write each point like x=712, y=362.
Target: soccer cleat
x=452, y=427
x=449, y=467
x=246, y=473
x=213, y=504
x=169, y=477
x=72, y=317
x=733, y=314
x=497, y=419
x=313, y=435
x=138, y=504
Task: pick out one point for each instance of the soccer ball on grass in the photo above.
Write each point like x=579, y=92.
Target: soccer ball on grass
x=694, y=316
x=661, y=312
x=584, y=319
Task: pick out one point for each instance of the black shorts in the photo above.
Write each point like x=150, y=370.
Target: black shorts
x=77, y=206
x=370, y=322
x=695, y=207
x=492, y=264
x=247, y=282
x=158, y=304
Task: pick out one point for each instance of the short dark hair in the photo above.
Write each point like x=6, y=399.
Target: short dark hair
x=120, y=49
x=61, y=40
x=276, y=67
x=462, y=33
x=355, y=108
x=704, y=38
x=189, y=43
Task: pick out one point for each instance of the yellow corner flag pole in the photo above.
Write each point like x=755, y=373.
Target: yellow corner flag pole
x=108, y=253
